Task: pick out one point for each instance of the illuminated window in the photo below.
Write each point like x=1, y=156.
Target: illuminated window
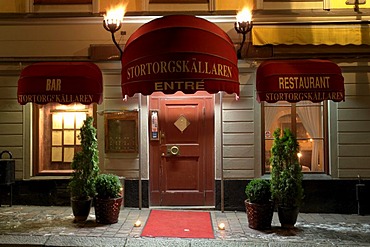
x=308, y=121
x=62, y=1
x=57, y=132
x=178, y=1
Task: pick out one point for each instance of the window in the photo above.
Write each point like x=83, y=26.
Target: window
x=64, y=6
x=57, y=129
x=291, y=4
x=178, y=1
x=308, y=121
x=62, y=1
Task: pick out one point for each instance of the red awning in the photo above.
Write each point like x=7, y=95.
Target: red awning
x=298, y=80
x=179, y=53
x=60, y=82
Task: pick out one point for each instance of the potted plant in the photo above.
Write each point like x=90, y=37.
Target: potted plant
x=259, y=206
x=286, y=177
x=85, y=171
x=108, y=200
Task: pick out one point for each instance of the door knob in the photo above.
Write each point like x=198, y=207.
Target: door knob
x=174, y=150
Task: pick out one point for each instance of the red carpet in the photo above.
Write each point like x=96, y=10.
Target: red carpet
x=178, y=224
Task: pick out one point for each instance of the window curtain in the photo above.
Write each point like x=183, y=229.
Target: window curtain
x=271, y=113
x=312, y=121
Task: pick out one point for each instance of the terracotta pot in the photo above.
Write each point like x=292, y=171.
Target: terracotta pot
x=107, y=210
x=288, y=216
x=259, y=215
x=81, y=208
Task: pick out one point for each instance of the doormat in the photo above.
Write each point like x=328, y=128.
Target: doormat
x=178, y=224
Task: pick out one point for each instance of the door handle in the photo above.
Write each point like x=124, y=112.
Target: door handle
x=161, y=136
x=174, y=150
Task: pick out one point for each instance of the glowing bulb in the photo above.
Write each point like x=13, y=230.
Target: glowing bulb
x=115, y=14
x=137, y=223
x=244, y=16
x=221, y=226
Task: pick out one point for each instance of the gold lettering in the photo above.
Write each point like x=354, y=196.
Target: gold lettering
x=206, y=70
x=219, y=69
x=148, y=65
x=137, y=71
x=281, y=83
x=214, y=70
x=156, y=67
x=171, y=66
x=230, y=72
x=181, y=66
x=200, y=85
x=142, y=69
x=189, y=85
x=129, y=71
x=158, y=86
x=185, y=67
x=168, y=85
x=178, y=66
x=163, y=67
x=194, y=68
x=53, y=84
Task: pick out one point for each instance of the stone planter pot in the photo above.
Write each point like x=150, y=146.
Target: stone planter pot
x=81, y=208
x=288, y=216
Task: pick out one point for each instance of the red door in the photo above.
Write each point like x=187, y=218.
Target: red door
x=182, y=160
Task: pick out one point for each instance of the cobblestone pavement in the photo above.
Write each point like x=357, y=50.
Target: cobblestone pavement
x=53, y=226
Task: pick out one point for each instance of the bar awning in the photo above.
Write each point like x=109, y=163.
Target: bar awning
x=179, y=53
x=299, y=80
x=349, y=34
x=60, y=82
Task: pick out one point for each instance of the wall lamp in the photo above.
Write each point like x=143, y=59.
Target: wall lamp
x=243, y=25
x=113, y=21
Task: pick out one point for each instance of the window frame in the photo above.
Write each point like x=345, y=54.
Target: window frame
x=178, y=1
x=38, y=168
x=60, y=2
x=294, y=130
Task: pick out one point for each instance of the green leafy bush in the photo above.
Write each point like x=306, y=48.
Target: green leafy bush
x=258, y=191
x=108, y=186
x=85, y=163
x=286, y=175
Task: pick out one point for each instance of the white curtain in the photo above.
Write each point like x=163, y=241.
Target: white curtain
x=312, y=122
x=271, y=115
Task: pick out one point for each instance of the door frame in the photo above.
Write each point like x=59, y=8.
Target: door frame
x=151, y=158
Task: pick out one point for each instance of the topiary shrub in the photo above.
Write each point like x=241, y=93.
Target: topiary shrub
x=286, y=175
x=258, y=191
x=85, y=163
x=108, y=186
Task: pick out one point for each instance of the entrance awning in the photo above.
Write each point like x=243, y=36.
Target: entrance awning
x=60, y=82
x=298, y=80
x=179, y=53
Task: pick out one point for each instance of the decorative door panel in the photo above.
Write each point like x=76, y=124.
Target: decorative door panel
x=182, y=172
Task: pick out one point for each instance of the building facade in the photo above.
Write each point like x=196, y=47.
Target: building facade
x=196, y=149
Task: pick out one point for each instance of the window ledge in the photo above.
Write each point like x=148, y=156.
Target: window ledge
x=306, y=176
x=49, y=178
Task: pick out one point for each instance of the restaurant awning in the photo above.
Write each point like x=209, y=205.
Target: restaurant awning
x=179, y=53
x=298, y=80
x=60, y=82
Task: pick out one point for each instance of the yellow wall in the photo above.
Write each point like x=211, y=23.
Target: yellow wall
x=234, y=4
x=132, y=5
x=335, y=4
x=14, y=6
x=19, y=6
